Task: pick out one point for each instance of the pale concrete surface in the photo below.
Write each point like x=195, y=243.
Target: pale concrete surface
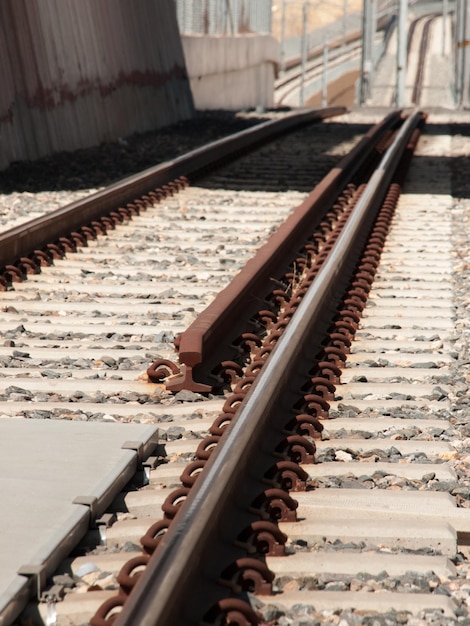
x=76, y=608
x=411, y=471
x=231, y=72
x=351, y=390
x=350, y=563
x=45, y=467
x=381, y=424
x=372, y=532
x=377, y=505
x=438, y=73
x=362, y=600
x=385, y=374
x=404, y=446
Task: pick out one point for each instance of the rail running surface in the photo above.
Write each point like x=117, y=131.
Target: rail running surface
x=204, y=557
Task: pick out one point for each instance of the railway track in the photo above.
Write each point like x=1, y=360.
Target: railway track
x=330, y=71
x=160, y=583
x=424, y=24
x=79, y=335
x=402, y=426
x=426, y=65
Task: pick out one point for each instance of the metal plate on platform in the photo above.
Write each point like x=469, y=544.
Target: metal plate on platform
x=54, y=476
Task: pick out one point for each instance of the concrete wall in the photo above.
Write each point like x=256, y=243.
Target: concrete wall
x=222, y=17
x=231, y=72
x=75, y=73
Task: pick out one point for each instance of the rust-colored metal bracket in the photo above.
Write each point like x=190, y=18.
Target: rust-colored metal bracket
x=248, y=574
x=263, y=538
x=232, y=611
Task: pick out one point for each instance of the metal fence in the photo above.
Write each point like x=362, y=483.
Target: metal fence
x=224, y=17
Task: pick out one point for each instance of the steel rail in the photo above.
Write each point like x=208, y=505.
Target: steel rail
x=423, y=47
x=203, y=340
x=165, y=592
x=24, y=239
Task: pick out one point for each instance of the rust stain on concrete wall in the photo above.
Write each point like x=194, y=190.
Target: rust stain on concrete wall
x=78, y=72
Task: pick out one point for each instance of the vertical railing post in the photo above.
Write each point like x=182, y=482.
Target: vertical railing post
x=304, y=53
x=324, y=81
x=366, y=61
x=444, y=26
x=401, y=53
x=283, y=36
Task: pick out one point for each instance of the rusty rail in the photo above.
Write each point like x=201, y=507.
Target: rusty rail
x=171, y=589
x=27, y=239
x=200, y=347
